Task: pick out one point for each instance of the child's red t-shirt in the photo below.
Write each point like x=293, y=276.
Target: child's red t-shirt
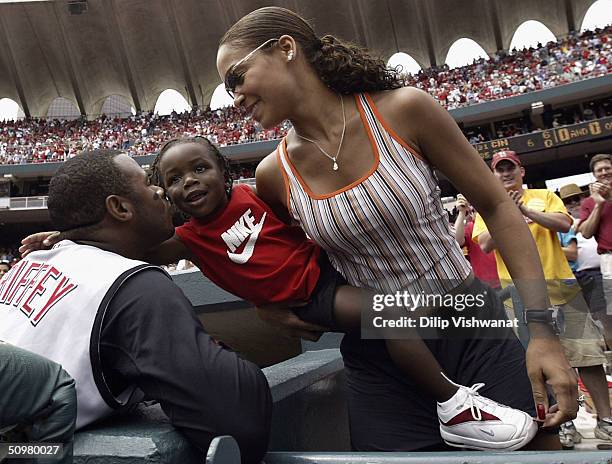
x=248, y=251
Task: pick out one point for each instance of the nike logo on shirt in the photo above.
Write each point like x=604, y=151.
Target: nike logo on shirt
x=235, y=236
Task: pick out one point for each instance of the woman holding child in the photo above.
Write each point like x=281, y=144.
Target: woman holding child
x=356, y=172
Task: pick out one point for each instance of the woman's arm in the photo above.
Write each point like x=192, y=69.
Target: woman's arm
x=426, y=125
x=440, y=141
x=271, y=186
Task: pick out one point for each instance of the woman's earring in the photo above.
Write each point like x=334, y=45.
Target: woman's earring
x=290, y=55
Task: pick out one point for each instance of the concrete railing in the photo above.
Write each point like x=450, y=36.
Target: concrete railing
x=309, y=426
x=309, y=414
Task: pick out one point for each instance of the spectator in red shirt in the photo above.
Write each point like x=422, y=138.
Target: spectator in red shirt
x=483, y=264
x=596, y=221
x=596, y=218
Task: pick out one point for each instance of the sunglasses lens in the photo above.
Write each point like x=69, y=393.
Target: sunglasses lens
x=231, y=82
x=228, y=87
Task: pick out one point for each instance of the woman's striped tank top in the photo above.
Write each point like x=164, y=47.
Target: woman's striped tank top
x=388, y=230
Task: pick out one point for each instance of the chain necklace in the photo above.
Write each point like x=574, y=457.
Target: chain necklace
x=333, y=158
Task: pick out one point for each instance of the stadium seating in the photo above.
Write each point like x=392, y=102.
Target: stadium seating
x=573, y=58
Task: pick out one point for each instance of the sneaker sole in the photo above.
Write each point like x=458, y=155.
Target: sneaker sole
x=459, y=441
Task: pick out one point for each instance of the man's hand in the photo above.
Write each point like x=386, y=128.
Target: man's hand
x=546, y=364
x=517, y=198
x=281, y=316
x=38, y=241
x=599, y=192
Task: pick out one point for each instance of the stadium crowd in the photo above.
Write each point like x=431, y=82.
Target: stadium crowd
x=38, y=140
x=579, y=56
x=576, y=57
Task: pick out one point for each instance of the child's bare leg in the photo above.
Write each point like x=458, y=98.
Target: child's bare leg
x=410, y=354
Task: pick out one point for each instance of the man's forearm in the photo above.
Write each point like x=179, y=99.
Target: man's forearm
x=589, y=226
x=460, y=228
x=515, y=244
x=557, y=222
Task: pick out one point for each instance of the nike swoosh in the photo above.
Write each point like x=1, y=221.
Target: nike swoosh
x=488, y=432
x=247, y=252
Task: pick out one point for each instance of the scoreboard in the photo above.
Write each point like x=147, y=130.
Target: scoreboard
x=549, y=138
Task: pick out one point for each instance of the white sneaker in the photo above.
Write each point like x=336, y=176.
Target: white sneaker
x=469, y=420
x=568, y=435
x=603, y=430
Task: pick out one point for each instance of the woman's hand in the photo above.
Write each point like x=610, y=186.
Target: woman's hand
x=38, y=241
x=547, y=365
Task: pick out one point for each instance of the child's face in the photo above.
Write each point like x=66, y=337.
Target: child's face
x=193, y=180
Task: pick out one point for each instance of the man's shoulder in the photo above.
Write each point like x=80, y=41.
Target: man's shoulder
x=143, y=290
x=151, y=277
x=143, y=283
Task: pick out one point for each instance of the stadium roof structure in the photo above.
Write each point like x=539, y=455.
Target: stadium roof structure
x=87, y=50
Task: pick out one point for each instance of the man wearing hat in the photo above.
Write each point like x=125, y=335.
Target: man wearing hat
x=582, y=254
x=585, y=263
x=546, y=215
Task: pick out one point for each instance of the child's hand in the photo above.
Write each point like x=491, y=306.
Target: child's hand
x=38, y=241
x=280, y=315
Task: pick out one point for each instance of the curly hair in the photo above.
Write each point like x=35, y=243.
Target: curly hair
x=344, y=67
x=156, y=178
x=78, y=191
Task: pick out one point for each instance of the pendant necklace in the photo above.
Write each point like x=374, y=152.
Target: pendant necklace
x=333, y=158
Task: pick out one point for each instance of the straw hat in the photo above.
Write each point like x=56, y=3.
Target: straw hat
x=569, y=190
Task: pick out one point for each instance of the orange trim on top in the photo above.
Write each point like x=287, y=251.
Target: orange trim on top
x=285, y=178
x=305, y=186
x=391, y=132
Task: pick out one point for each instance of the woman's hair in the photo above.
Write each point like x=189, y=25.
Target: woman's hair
x=344, y=67
x=156, y=177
